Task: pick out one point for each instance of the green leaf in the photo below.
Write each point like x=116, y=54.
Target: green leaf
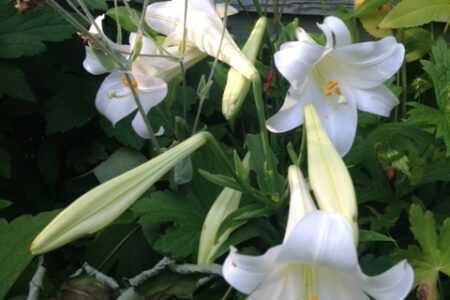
x=428, y=115
x=122, y=160
x=15, y=238
x=185, y=214
x=433, y=256
x=373, y=236
x=23, y=34
x=13, y=83
x=439, y=72
x=4, y=203
x=417, y=43
x=123, y=132
x=369, y=6
x=72, y=107
x=409, y=13
x=221, y=180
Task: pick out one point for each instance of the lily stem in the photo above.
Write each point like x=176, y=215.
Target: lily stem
x=143, y=114
x=211, y=74
x=259, y=103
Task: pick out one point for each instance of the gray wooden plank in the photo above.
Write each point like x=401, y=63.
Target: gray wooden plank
x=296, y=7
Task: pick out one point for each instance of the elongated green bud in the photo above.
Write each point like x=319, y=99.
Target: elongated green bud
x=328, y=175
x=237, y=84
x=100, y=206
x=226, y=203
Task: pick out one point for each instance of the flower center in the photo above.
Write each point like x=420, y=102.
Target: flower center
x=308, y=284
x=126, y=83
x=332, y=87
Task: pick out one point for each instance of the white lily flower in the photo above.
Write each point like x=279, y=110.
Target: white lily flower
x=148, y=77
x=203, y=29
x=317, y=260
x=338, y=78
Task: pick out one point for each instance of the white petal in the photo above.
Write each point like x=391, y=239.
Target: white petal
x=220, y=10
x=150, y=98
x=378, y=100
x=338, y=119
x=290, y=115
x=244, y=272
x=92, y=64
x=295, y=59
x=395, y=283
x=99, y=22
x=336, y=32
x=114, y=108
x=148, y=45
x=164, y=16
x=282, y=282
x=300, y=202
x=324, y=239
x=365, y=65
x=333, y=285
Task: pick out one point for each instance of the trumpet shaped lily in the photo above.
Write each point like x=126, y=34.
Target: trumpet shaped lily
x=147, y=76
x=338, y=78
x=203, y=29
x=317, y=260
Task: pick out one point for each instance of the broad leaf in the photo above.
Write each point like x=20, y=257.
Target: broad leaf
x=409, y=13
x=23, y=34
x=15, y=239
x=122, y=160
x=13, y=83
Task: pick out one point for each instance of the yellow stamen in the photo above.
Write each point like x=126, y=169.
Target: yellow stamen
x=337, y=90
x=314, y=297
x=328, y=92
x=134, y=83
x=331, y=84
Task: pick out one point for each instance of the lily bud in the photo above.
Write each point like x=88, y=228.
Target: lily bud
x=226, y=203
x=300, y=203
x=328, y=175
x=100, y=206
x=237, y=84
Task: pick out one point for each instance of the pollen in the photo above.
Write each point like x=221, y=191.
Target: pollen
x=125, y=82
x=314, y=297
x=332, y=88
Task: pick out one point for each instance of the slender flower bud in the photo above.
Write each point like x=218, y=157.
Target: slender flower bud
x=226, y=203
x=237, y=84
x=328, y=174
x=100, y=206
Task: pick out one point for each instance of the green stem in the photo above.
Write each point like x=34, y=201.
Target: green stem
x=302, y=154
x=118, y=246
x=211, y=74
x=258, y=8
x=259, y=103
x=404, y=89
x=216, y=149
x=143, y=114
x=119, y=28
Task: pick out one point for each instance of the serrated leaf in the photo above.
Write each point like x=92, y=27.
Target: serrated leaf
x=15, y=238
x=22, y=34
x=409, y=13
x=72, y=107
x=13, y=83
x=439, y=72
x=122, y=160
x=186, y=214
x=433, y=256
